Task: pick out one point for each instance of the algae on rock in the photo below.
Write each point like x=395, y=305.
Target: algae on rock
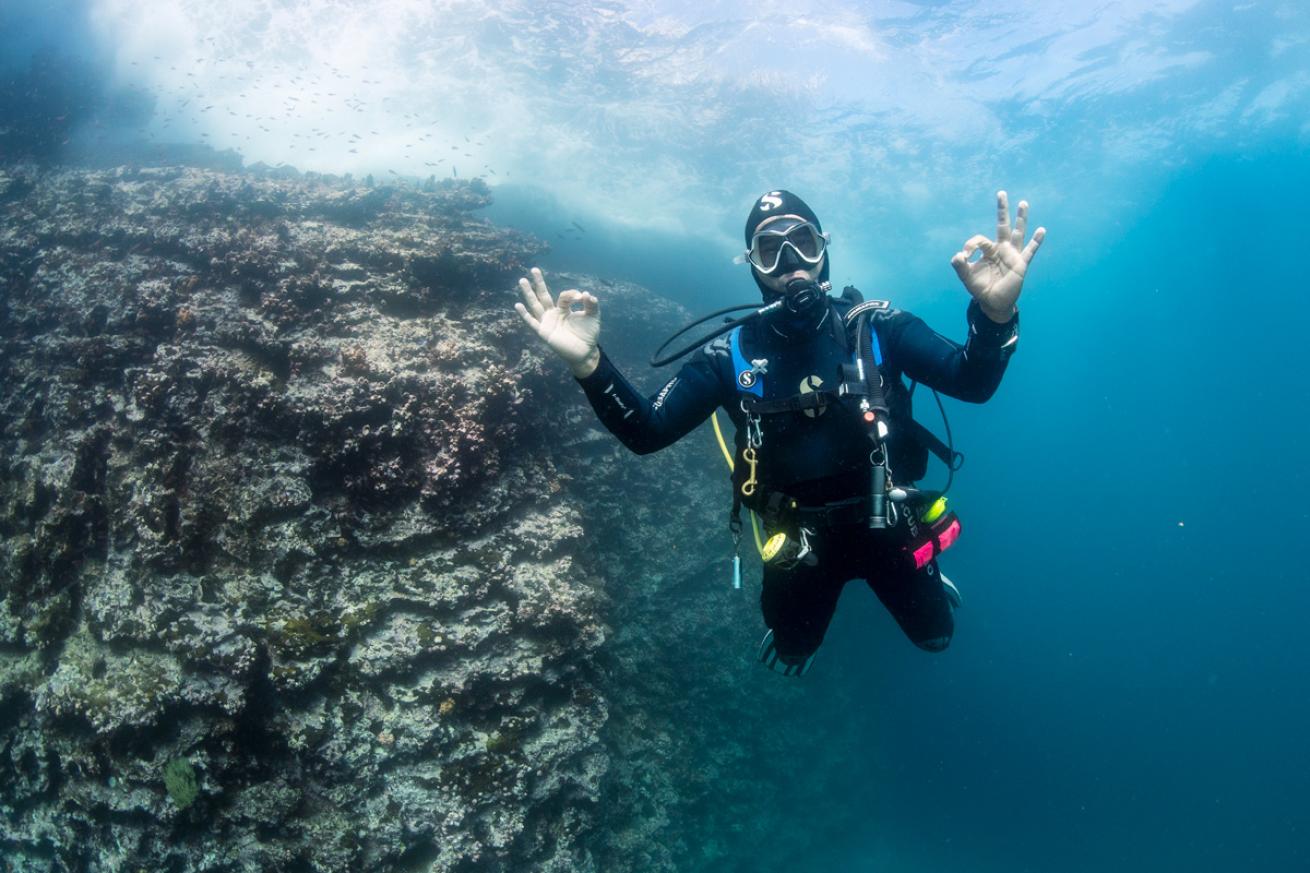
x=180, y=782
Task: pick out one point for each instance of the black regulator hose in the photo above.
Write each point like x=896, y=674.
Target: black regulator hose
x=657, y=361
x=802, y=295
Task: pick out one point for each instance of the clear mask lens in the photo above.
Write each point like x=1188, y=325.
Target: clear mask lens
x=768, y=243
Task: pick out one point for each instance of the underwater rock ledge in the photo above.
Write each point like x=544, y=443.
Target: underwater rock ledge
x=288, y=575
x=311, y=559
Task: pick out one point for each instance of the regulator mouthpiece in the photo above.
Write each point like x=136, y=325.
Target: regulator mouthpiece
x=804, y=296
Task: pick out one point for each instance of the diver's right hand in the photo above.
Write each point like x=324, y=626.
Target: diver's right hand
x=572, y=334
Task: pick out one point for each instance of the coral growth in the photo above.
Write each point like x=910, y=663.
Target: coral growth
x=302, y=537
x=261, y=541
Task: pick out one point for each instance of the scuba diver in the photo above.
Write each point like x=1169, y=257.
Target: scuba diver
x=827, y=453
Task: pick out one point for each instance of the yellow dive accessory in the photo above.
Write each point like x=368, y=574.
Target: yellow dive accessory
x=772, y=546
x=935, y=511
x=788, y=551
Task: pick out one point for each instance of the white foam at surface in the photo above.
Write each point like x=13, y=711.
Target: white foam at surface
x=675, y=115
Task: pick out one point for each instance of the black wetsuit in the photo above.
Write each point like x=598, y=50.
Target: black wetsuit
x=820, y=457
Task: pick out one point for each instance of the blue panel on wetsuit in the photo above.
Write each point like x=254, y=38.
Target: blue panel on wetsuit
x=877, y=348
x=741, y=366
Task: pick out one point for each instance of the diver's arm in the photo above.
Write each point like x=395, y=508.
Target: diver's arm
x=969, y=372
x=573, y=334
x=994, y=281
x=587, y=365
x=644, y=424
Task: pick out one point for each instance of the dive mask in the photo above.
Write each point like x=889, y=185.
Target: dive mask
x=769, y=243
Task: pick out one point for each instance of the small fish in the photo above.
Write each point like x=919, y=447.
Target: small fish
x=579, y=227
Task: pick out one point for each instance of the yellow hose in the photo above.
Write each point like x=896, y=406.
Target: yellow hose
x=727, y=456
x=723, y=445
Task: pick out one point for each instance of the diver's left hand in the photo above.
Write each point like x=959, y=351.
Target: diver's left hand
x=996, y=278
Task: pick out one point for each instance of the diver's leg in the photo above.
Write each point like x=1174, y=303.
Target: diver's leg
x=798, y=605
x=917, y=599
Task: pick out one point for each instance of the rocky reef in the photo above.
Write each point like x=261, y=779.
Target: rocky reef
x=310, y=559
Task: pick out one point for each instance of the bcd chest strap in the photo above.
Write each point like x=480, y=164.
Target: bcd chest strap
x=795, y=403
x=861, y=376
x=862, y=386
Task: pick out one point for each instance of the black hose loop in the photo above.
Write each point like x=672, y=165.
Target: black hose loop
x=657, y=361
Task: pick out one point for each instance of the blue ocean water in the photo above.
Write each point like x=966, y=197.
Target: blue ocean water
x=1125, y=690
x=1127, y=686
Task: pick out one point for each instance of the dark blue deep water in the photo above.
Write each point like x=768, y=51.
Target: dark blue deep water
x=1127, y=686
x=1126, y=689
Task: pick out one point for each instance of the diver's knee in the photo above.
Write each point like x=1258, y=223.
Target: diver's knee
x=934, y=644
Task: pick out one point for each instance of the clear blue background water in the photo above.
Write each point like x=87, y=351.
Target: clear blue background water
x=1127, y=689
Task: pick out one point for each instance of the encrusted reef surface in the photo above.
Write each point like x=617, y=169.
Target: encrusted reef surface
x=310, y=559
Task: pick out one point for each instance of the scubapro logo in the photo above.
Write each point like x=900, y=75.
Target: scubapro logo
x=808, y=385
x=746, y=378
x=770, y=201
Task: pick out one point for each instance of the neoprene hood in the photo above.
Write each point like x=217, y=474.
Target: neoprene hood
x=773, y=203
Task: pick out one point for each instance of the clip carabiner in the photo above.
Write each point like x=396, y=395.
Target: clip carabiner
x=754, y=435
